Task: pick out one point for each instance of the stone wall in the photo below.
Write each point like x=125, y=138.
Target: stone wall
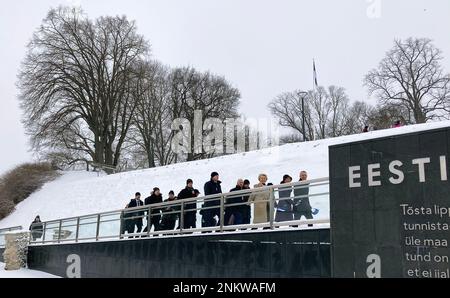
x=16, y=250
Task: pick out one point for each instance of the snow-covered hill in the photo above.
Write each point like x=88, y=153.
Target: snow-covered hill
x=80, y=193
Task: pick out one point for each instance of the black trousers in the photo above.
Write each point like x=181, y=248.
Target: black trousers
x=190, y=220
x=208, y=219
x=132, y=223
x=307, y=214
x=155, y=221
x=284, y=216
x=167, y=224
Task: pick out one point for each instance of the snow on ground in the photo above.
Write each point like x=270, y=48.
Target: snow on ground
x=81, y=193
x=23, y=273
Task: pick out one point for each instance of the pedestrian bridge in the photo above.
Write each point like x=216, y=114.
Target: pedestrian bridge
x=288, y=248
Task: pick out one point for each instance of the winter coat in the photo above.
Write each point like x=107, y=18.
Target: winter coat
x=37, y=228
x=172, y=208
x=188, y=193
x=284, y=205
x=260, y=211
x=133, y=204
x=154, y=199
x=301, y=204
x=212, y=188
x=235, y=200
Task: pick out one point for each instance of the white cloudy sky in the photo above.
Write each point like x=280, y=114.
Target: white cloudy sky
x=264, y=47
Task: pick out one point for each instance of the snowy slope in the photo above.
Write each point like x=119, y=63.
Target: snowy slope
x=80, y=193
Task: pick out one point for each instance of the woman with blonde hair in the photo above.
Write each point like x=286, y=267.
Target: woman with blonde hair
x=260, y=201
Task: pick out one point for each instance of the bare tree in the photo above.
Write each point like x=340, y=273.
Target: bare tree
x=321, y=108
x=287, y=107
x=383, y=116
x=75, y=83
x=411, y=76
x=195, y=91
x=356, y=117
x=339, y=107
x=154, y=114
x=328, y=113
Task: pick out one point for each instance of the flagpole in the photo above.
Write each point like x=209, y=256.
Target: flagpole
x=314, y=76
x=315, y=85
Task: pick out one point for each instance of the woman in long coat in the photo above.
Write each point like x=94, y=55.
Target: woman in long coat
x=260, y=201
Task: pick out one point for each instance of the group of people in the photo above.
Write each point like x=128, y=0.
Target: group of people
x=237, y=209
x=396, y=124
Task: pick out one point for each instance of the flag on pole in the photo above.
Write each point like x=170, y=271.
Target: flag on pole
x=315, y=75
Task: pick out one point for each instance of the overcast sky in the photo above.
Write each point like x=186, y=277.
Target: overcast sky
x=263, y=47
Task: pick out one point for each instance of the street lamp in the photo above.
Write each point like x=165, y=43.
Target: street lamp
x=302, y=94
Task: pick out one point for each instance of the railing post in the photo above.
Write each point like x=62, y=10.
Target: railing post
x=97, y=233
x=121, y=224
x=149, y=220
x=78, y=229
x=59, y=231
x=43, y=234
x=271, y=206
x=182, y=218
x=222, y=211
x=29, y=239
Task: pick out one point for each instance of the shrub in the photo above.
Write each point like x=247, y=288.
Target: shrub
x=19, y=183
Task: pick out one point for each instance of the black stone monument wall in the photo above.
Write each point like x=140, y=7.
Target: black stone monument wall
x=370, y=231
x=242, y=255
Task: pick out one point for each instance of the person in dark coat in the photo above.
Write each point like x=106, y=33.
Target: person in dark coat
x=168, y=220
x=190, y=216
x=284, y=205
x=212, y=187
x=134, y=219
x=246, y=209
x=233, y=214
x=302, y=207
x=36, y=228
x=366, y=129
x=155, y=218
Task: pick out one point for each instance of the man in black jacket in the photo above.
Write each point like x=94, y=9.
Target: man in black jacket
x=212, y=187
x=155, y=218
x=190, y=216
x=135, y=217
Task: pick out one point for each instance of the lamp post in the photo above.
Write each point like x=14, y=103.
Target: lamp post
x=302, y=95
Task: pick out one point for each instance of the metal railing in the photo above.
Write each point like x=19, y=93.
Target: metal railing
x=177, y=217
x=6, y=230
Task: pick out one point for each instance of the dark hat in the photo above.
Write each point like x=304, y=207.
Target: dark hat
x=171, y=192
x=286, y=177
x=214, y=174
x=137, y=194
x=247, y=182
x=189, y=181
x=155, y=189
